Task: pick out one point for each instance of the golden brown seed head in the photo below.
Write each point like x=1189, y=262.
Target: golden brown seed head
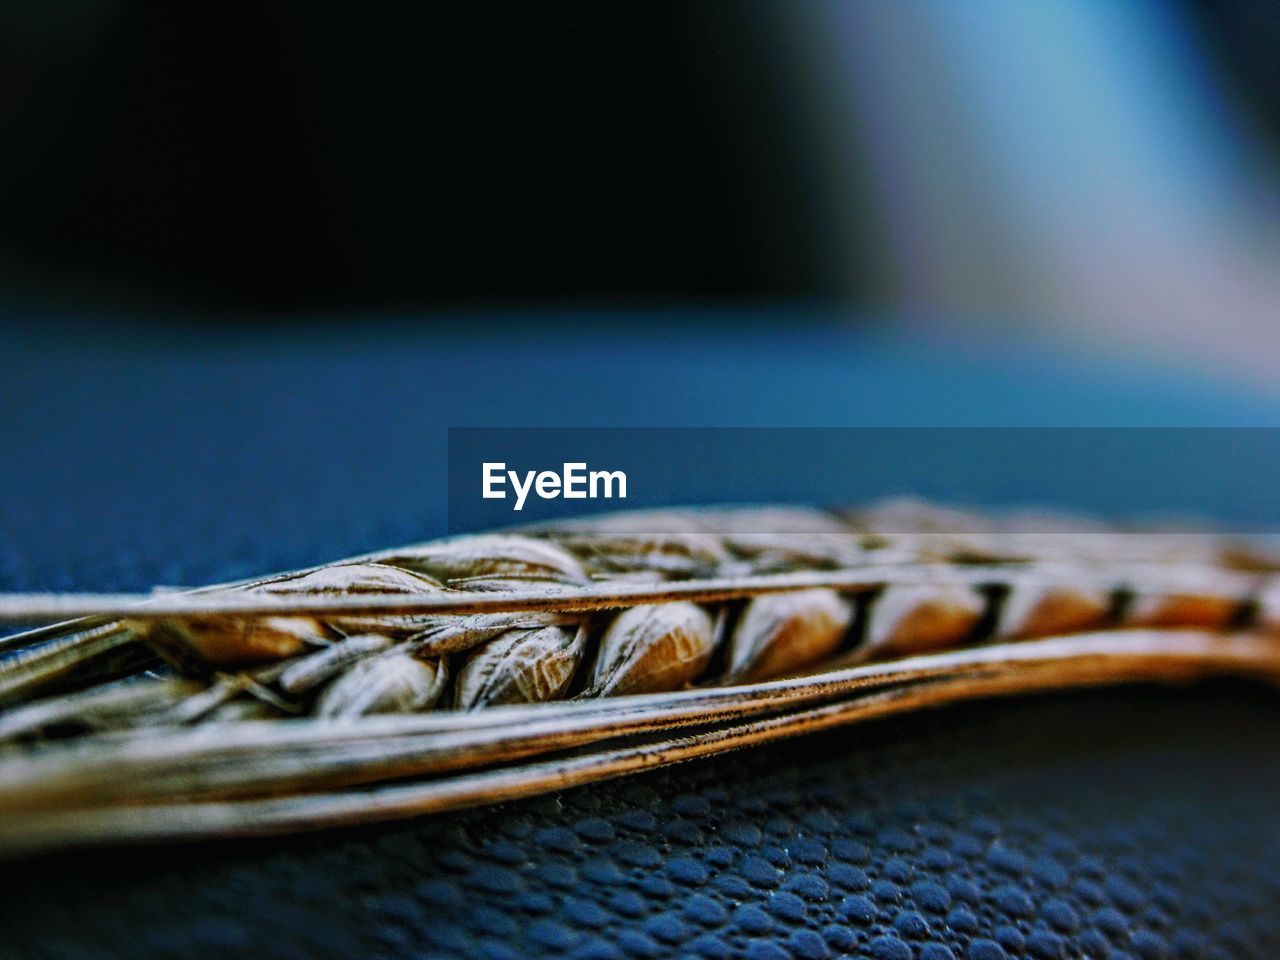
x=521, y=666
x=663, y=542
x=490, y=562
x=1210, y=611
x=668, y=555
x=451, y=633
x=1034, y=609
x=1205, y=601
x=349, y=579
x=392, y=683
x=309, y=672
x=783, y=632
x=342, y=579
x=653, y=648
x=194, y=644
x=915, y=619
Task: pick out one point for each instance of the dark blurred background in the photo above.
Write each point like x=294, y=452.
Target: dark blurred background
x=1101, y=169
x=258, y=258
x=338, y=155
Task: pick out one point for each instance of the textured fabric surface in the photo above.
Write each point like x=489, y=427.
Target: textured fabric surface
x=1133, y=823
x=1122, y=824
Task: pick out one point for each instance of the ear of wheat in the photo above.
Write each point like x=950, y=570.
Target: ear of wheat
x=488, y=667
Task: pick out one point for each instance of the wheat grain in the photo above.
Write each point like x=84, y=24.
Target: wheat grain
x=307, y=673
x=786, y=632
x=525, y=665
x=653, y=648
x=391, y=683
x=488, y=562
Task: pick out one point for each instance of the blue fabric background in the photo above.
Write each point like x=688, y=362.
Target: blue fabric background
x=1134, y=823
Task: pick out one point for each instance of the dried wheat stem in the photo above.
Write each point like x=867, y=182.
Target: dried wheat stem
x=603, y=595
x=245, y=759
x=111, y=646
x=79, y=827
x=602, y=610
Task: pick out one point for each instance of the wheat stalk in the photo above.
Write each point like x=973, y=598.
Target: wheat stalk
x=60, y=826
x=486, y=653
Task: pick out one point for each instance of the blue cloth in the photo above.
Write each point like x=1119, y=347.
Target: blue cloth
x=1136, y=823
